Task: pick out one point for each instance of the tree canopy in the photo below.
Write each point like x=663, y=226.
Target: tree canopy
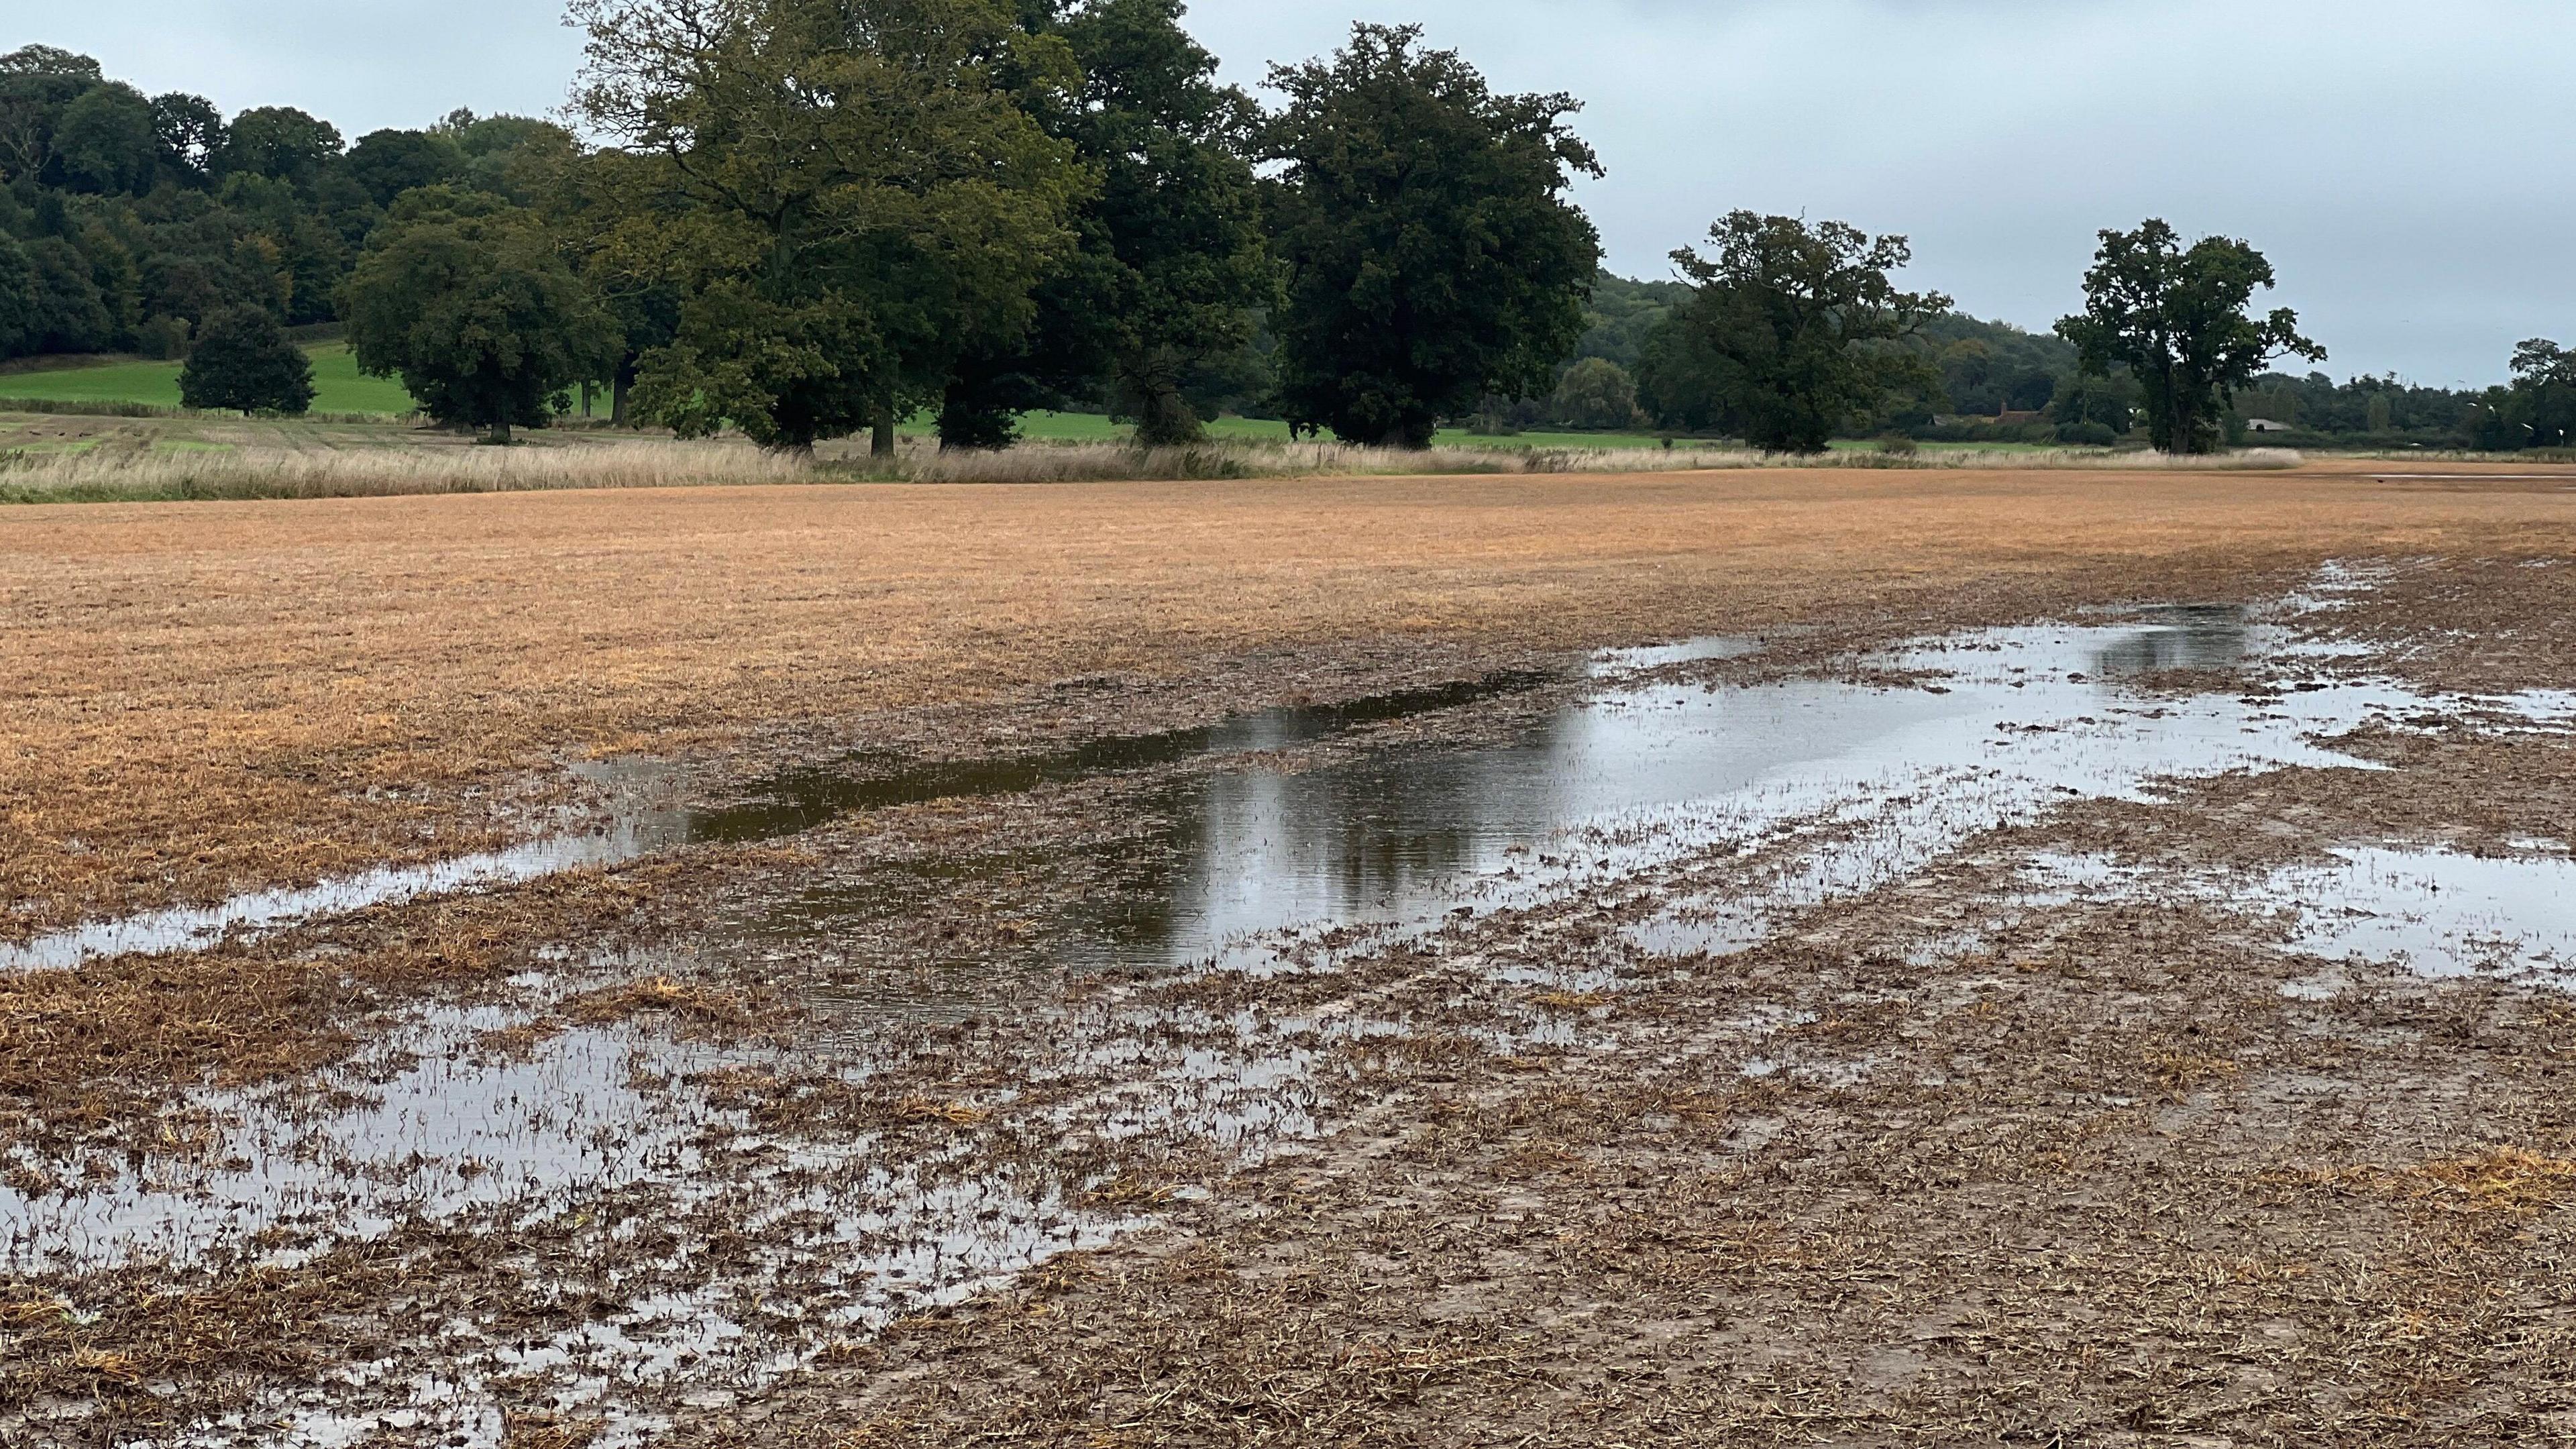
x=139, y=219
x=842, y=194
x=1432, y=256
x=466, y=298
x=1171, y=264
x=2177, y=318
x=244, y=360
x=1793, y=329
x=814, y=216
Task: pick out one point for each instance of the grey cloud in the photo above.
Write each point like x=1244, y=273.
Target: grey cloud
x=2395, y=159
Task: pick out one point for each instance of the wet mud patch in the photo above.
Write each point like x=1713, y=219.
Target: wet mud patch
x=1605, y=1071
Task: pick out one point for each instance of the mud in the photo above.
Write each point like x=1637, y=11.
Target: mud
x=2144, y=1027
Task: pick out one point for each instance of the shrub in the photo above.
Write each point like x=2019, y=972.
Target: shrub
x=164, y=337
x=243, y=360
x=1595, y=393
x=2090, y=435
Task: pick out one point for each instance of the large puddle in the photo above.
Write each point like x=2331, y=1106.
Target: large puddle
x=1848, y=785
x=786, y=804
x=2002, y=725
x=2028, y=711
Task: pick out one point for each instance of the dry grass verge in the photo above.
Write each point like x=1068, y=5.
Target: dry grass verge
x=130, y=471
x=111, y=475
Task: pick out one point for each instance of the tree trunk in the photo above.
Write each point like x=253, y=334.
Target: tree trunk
x=617, y=402
x=881, y=439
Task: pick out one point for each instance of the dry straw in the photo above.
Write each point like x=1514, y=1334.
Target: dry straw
x=126, y=474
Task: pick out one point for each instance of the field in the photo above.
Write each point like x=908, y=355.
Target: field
x=338, y=386
x=1762, y=956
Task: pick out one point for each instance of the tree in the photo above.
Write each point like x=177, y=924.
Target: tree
x=244, y=360
x=191, y=132
x=2101, y=400
x=580, y=195
x=840, y=192
x=18, y=320
x=1800, y=326
x=2537, y=411
x=106, y=141
x=37, y=82
x=69, y=313
x=1682, y=383
x=1171, y=263
x=1595, y=393
x=465, y=297
x=1432, y=256
x=1177, y=221
x=390, y=162
x=50, y=60
x=2178, y=320
x=492, y=151
x=281, y=143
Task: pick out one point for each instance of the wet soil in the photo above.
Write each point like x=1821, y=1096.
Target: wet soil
x=2143, y=1025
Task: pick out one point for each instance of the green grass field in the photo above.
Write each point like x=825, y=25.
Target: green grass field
x=338, y=387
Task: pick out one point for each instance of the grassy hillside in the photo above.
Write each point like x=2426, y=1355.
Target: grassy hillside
x=338, y=386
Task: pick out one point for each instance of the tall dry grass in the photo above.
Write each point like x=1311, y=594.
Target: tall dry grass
x=1049, y=462
x=133, y=475
x=139, y=474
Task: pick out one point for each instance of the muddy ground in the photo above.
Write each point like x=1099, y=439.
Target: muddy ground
x=2068, y=1091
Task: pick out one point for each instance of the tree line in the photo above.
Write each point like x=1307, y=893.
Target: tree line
x=813, y=218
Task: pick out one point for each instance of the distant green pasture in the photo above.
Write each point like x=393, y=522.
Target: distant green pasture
x=338, y=387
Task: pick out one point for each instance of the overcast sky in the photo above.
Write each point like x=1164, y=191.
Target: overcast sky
x=2401, y=161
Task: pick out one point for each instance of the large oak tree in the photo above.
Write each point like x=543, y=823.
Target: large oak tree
x=1432, y=255
x=2177, y=317
x=842, y=194
x=1793, y=330
x=1172, y=265
x=468, y=299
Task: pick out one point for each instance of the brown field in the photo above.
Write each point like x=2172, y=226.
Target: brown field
x=2053, y=1131
x=210, y=696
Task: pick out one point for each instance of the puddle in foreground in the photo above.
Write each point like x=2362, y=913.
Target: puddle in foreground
x=1848, y=786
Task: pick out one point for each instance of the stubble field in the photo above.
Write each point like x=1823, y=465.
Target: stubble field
x=1090, y=964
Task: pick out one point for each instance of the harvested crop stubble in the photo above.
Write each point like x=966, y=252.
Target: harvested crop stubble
x=227, y=695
